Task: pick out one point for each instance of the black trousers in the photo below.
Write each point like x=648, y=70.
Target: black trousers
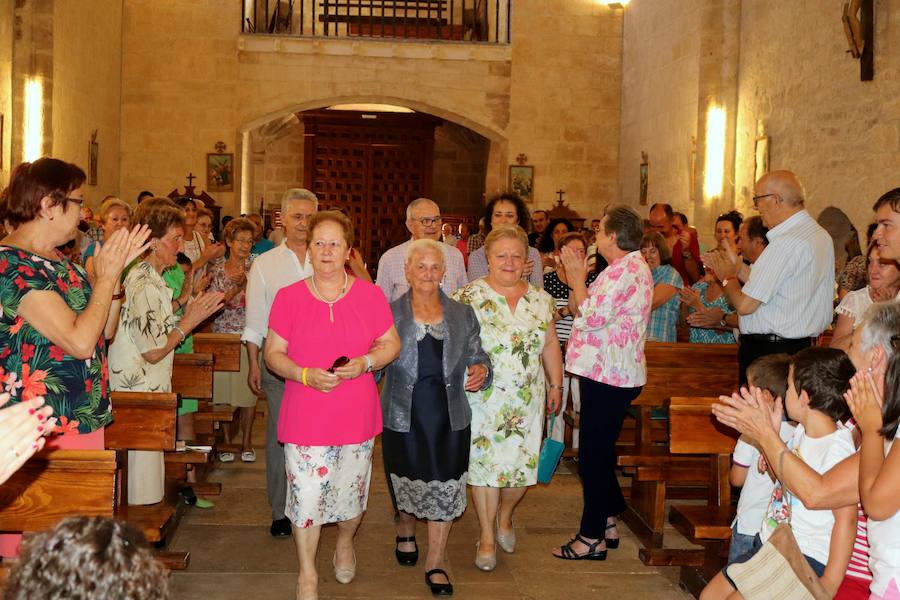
x=603, y=409
x=752, y=347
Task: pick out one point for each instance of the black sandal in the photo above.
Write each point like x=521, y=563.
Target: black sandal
x=406, y=559
x=591, y=554
x=612, y=543
x=439, y=589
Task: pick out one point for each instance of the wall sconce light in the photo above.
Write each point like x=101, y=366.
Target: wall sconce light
x=33, y=147
x=714, y=162
x=614, y=3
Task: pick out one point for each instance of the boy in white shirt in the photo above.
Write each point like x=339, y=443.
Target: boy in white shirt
x=770, y=375
x=817, y=381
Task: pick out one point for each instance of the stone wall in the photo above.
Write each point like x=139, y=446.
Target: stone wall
x=793, y=80
x=189, y=80
x=6, y=47
x=87, y=66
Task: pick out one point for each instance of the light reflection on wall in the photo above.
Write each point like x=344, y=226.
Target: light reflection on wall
x=33, y=147
x=714, y=162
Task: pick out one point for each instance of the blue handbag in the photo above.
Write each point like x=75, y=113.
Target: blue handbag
x=551, y=451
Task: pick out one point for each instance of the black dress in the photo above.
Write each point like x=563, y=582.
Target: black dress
x=428, y=464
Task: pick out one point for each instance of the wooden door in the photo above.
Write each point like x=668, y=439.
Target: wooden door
x=370, y=168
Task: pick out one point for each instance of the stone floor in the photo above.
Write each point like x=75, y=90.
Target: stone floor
x=233, y=557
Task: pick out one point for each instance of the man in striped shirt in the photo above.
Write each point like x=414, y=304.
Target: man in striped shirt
x=787, y=300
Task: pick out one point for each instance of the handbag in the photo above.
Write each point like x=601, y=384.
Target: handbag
x=779, y=570
x=551, y=451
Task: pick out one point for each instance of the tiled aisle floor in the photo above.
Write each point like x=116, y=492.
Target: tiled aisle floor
x=234, y=558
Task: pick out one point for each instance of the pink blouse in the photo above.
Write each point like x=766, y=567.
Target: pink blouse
x=607, y=340
x=350, y=413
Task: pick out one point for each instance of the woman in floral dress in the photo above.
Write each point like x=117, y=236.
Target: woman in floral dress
x=53, y=322
x=517, y=331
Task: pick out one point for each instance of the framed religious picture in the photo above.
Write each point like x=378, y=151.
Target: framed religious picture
x=220, y=172
x=762, y=157
x=521, y=181
x=93, y=156
x=645, y=178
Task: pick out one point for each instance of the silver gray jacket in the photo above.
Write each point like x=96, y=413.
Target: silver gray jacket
x=462, y=348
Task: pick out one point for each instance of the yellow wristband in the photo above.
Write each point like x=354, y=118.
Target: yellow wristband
x=303, y=377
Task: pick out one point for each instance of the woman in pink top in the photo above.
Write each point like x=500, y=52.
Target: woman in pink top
x=606, y=350
x=326, y=335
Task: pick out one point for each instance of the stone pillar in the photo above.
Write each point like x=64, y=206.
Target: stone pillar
x=720, y=34
x=32, y=56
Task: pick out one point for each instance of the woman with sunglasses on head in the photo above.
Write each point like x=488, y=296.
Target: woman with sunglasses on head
x=54, y=323
x=327, y=333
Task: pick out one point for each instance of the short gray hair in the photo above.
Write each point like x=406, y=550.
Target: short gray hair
x=880, y=323
x=422, y=246
x=415, y=204
x=298, y=194
x=626, y=224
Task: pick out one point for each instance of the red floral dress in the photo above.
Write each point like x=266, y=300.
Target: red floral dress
x=30, y=365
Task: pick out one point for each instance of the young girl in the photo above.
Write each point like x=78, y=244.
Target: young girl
x=879, y=474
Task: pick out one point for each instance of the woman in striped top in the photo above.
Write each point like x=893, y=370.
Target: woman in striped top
x=557, y=285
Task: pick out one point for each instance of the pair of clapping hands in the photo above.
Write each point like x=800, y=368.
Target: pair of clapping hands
x=23, y=427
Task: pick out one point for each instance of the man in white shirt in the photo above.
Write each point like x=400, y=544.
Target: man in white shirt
x=284, y=265
x=787, y=300
x=423, y=219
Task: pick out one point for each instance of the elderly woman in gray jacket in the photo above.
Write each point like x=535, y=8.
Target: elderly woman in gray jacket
x=426, y=413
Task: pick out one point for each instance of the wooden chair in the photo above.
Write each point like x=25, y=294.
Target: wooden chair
x=694, y=431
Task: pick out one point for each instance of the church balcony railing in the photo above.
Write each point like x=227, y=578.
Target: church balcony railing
x=477, y=21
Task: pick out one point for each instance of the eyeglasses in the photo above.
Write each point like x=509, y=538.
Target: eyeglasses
x=428, y=221
x=78, y=201
x=756, y=199
x=338, y=363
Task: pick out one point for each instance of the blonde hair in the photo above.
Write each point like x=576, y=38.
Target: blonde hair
x=506, y=232
x=112, y=202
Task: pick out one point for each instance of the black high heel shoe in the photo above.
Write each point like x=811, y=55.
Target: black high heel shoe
x=612, y=543
x=406, y=559
x=439, y=589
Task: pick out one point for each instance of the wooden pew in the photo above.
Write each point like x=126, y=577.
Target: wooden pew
x=672, y=370
x=55, y=484
x=146, y=421
x=695, y=432
x=225, y=348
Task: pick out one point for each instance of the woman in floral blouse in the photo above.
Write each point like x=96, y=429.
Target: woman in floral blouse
x=606, y=349
x=517, y=331
x=142, y=353
x=229, y=276
x=53, y=323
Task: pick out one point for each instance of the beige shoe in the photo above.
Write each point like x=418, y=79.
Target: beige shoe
x=507, y=541
x=485, y=563
x=344, y=574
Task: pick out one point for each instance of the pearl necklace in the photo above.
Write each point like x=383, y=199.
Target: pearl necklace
x=330, y=303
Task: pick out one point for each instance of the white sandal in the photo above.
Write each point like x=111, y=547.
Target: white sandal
x=226, y=457
x=249, y=456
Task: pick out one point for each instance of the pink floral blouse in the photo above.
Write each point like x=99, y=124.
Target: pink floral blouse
x=607, y=341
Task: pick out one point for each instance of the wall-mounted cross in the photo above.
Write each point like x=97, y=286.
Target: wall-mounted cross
x=560, y=193
x=191, y=177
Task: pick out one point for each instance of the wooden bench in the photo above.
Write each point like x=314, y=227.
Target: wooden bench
x=685, y=370
x=146, y=421
x=224, y=347
x=693, y=431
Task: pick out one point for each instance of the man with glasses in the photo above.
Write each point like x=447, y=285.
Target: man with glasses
x=286, y=264
x=423, y=219
x=787, y=300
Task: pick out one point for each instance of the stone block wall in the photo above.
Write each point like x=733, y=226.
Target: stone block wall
x=460, y=162
x=6, y=48
x=87, y=67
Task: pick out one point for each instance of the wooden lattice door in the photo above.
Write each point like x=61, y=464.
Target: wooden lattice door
x=371, y=169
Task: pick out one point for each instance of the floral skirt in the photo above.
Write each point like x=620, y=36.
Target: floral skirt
x=327, y=484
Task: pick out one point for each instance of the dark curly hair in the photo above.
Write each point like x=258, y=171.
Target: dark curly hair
x=546, y=243
x=87, y=558
x=521, y=210
x=733, y=217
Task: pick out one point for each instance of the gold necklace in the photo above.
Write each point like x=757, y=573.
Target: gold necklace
x=330, y=303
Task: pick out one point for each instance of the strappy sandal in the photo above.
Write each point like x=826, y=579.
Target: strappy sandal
x=612, y=543
x=592, y=553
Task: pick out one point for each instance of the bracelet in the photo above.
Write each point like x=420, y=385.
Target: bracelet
x=555, y=386
x=303, y=376
x=369, y=364
x=119, y=296
x=176, y=301
x=179, y=330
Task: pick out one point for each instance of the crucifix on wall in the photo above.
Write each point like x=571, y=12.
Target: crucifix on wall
x=858, y=17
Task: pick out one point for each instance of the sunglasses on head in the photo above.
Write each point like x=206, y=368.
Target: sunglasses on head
x=338, y=363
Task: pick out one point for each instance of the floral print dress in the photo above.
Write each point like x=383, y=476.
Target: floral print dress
x=30, y=364
x=507, y=417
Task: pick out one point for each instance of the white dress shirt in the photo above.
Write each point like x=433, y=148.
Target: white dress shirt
x=269, y=273
x=391, y=276
x=793, y=280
